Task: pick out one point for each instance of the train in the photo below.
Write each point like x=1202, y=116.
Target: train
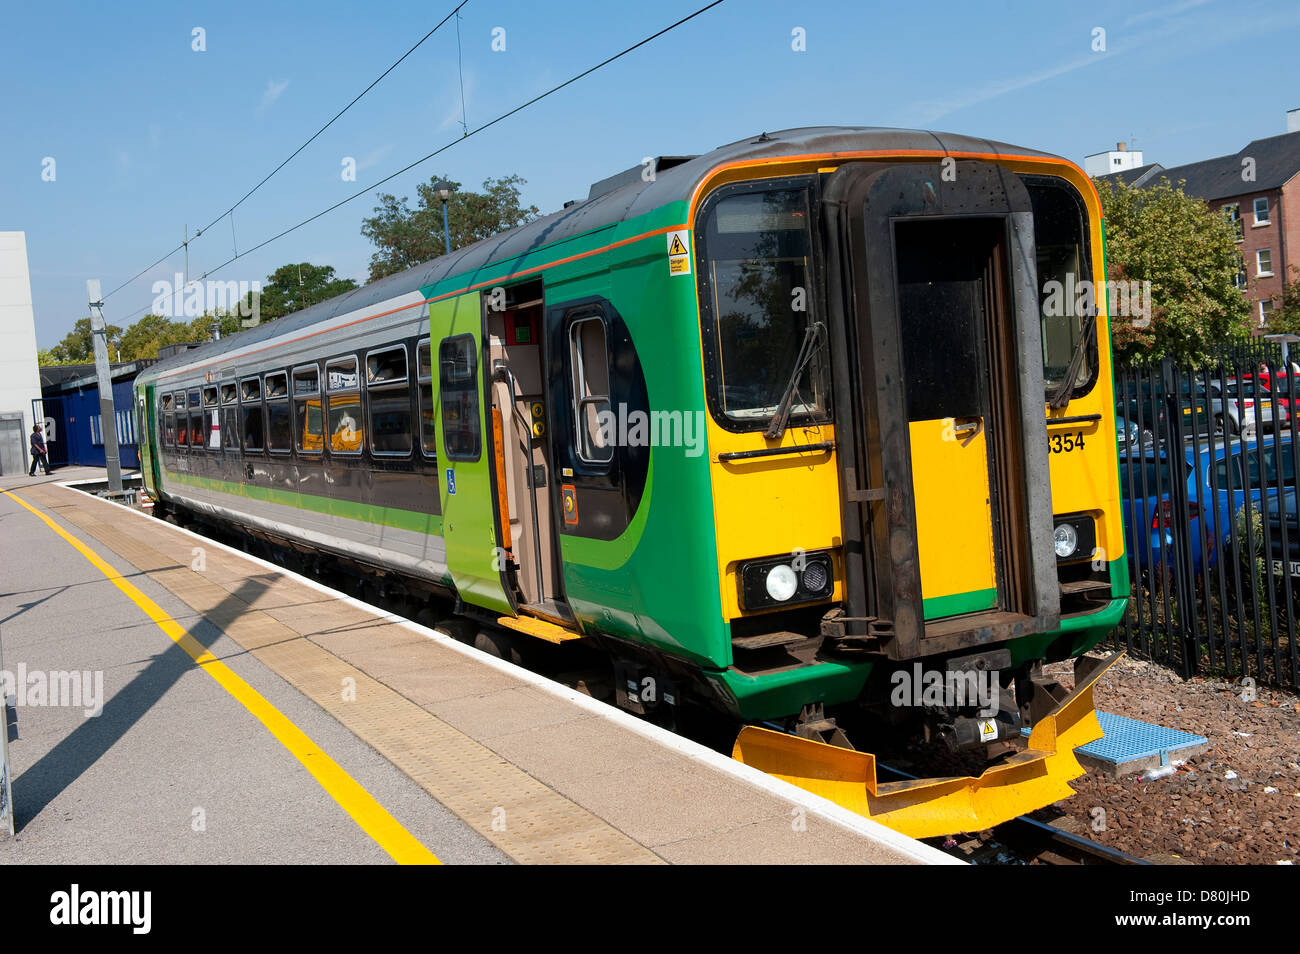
x=776, y=428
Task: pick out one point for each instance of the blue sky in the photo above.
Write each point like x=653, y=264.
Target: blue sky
x=149, y=135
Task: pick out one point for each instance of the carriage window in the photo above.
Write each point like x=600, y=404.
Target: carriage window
x=759, y=318
x=458, y=379
x=166, y=403
x=347, y=433
x=424, y=365
x=230, y=428
x=252, y=426
x=198, y=429
x=209, y=397
x=590, y=364
x=1063, y=262
x=389, y=401
x=279, y=425
x=229, y=394
x=309, y=416
x=251, y=389
x=169, y=429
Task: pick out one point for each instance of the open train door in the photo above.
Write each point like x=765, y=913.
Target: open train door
x=935, y=328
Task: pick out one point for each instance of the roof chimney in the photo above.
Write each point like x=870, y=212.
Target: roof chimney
x=1121, y=147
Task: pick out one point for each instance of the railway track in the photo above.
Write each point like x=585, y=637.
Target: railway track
x=1037, y=842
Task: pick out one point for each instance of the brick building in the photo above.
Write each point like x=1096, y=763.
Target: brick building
x=1258, y=188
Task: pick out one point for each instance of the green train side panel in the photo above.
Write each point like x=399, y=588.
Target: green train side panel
x=657, y=583
x=145, y=396
x=468, y=506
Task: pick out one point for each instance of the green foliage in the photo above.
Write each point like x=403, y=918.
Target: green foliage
x=77, y=346
x=1190, y=255
x=152, y=332
x=1286, y=310
x=405, y=237
x=45, y=358
x=297, y=286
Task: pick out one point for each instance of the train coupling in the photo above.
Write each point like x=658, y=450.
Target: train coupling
x=924, y=808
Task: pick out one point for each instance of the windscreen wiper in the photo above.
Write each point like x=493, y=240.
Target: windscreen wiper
x=1061, y=397
x=811, y=336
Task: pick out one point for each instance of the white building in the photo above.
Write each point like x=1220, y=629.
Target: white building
x=1118, y=160
x=20, y=376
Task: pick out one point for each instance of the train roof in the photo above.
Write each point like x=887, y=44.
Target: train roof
x=622, y=196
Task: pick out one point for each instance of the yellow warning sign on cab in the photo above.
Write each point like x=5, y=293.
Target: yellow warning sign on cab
x=679, y=252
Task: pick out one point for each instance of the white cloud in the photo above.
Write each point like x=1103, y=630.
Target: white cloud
x=272, y=93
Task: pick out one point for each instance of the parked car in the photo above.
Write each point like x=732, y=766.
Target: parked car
x=1229, y=473
x=1242, y=405
x=1128, y=434
x=1283, y=388
x=1146, y=405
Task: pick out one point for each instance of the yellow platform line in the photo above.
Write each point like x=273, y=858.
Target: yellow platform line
x=372, y=817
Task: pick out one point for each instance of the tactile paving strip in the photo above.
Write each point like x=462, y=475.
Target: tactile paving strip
x=529, y=821
x=1128, y=739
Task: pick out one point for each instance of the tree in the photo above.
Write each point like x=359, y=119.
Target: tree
x=294, y=287
x=45, y=358
x=151, y=333
x=404, y=237
x=1189, y=255
x=148, y=334
x=77, y=346
x=1286, y=310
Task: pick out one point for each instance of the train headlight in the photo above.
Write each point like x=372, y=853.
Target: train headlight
x=781, y=582
x=786, y=580
x=1074, y=537
x=1067, y=540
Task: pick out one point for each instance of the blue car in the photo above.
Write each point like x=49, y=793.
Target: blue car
x=1212, y=506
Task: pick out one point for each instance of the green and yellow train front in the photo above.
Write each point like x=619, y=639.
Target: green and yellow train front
x=938, y=490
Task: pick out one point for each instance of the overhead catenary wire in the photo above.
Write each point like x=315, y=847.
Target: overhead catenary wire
x=454, y=13
x=441, y=149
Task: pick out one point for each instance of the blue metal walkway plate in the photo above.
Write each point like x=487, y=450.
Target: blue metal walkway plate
x=1128, y=739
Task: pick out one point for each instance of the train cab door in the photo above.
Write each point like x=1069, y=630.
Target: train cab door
x=471, y=526
x=938, y=362
x=521, y=448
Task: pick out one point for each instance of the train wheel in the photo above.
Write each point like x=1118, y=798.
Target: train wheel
x=500, y=644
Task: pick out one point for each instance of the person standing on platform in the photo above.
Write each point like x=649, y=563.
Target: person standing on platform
x=38, y=451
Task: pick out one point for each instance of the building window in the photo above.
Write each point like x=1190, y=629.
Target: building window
x=1265, y=310
x=1261, y=211
x=1233, y=213
x=1264, y=263
x=1240, y=278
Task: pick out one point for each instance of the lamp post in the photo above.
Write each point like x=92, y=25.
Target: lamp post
x=107, y=410
x=443, y=191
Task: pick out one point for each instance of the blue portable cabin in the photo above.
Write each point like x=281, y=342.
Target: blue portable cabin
x=74, y=432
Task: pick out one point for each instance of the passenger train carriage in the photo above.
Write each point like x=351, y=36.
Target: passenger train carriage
x=771, y=426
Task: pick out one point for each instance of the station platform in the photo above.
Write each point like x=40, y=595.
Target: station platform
x=250, y=715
